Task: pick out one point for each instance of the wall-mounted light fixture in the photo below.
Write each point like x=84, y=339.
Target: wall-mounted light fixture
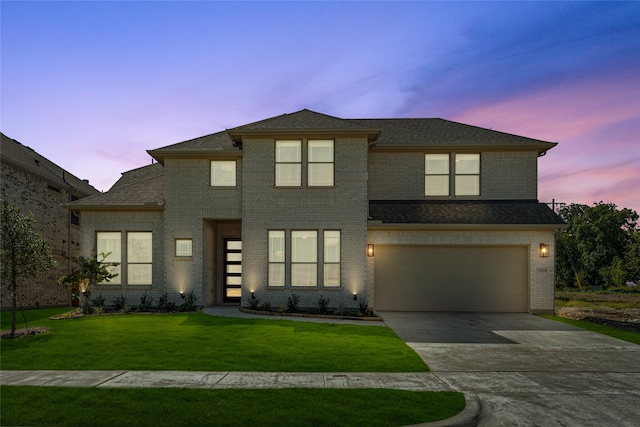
x=370, y=250
x=544, y=250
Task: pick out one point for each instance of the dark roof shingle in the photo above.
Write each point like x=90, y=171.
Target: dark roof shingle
x=462, y=212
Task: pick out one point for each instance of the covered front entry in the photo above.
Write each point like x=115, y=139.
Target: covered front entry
x=451, y=278
x=222, y=262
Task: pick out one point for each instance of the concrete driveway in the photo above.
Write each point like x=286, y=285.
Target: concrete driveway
x=527, y=370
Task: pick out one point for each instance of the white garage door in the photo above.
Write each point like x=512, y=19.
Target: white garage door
x=451, y=278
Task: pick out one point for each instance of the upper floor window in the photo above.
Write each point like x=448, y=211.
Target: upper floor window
x=467, y=182
x=223, y=173
x=320, y=163
x=317, y=157
x=466, y=179
x=436, y=175
x=288, y=163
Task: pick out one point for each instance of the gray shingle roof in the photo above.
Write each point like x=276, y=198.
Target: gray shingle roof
x=14, y=153
x=303, y=119
x=462, y=212
x=442, y=132
x=141, y=188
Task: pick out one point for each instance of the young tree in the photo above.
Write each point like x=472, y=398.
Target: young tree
x=90, y=271
x=24, y=253
x=594, y=249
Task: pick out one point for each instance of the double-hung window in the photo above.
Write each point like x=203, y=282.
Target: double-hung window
x=304, y=258
x=320, y=163
x=466, y=174
x=139, y=258
x=289, y=163
x=467, y=181
x=436, y=175
x=331, y=258
x=223, y=173
x=276, y=257
x=109, y=244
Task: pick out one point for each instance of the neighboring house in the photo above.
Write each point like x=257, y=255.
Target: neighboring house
x=409, y=214
x=36, y=185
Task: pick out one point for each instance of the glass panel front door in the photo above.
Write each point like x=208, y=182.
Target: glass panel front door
x=232, y=270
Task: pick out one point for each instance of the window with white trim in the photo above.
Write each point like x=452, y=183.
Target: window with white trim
x=331, y=271
x=289, y=163
x=139, y=258
x=110, y=244
x=276, y=257
x=304, y=258
x=223, y=173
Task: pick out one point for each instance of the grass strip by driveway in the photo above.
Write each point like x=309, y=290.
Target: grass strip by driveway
x=46, y=406
x=630, y=336
x=200, y=342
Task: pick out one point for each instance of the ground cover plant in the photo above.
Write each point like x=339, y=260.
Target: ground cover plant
x=609, y=308
x=197, y=341
x=49, y=406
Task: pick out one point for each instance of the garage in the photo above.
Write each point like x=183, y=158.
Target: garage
x=451, y=278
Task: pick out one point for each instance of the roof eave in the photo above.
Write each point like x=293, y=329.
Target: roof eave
x=151, y=206
x=160, y=155
x=379, y=225
x=541, y=148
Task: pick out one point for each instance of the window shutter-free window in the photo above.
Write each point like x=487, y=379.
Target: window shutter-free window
x=110, y=244
x=467, y=181
x=304, y=258
x=320, y=163
x=436, y=179
x=184, y=247
x=139, y=258
x=331, y=258
x=276, y=257
x=223, y=173
x=288, y=163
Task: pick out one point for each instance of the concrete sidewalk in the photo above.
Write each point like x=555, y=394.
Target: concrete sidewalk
x=413, y=381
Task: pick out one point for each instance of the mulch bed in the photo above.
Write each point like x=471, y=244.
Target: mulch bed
x=25, y=331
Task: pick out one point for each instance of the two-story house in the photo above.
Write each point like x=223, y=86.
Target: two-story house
x=38, y=186
x=409, y=214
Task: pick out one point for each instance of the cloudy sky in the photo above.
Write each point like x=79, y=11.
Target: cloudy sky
x=93, y=85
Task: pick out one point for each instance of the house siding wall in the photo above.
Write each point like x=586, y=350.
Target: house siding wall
x=189, y=200
x=541, y=270
x=127, y=221
x=32, y=194
x=343, y=207
x=504, y=175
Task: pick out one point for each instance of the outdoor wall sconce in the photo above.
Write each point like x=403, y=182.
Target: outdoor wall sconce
x=370, y=250
x=544, y=250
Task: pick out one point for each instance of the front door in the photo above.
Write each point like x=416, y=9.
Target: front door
x=232, y=270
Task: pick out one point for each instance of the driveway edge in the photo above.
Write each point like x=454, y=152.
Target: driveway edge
x=469, y=417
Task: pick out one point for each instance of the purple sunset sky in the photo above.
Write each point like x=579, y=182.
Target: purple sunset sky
x=92, y=85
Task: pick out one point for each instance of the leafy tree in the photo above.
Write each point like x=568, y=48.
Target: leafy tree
x=24, y=253
x=595, y=248
x=90, y=271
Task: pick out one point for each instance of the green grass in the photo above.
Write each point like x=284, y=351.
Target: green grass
x=630, y=336
x=174, y=407
x=200, y=342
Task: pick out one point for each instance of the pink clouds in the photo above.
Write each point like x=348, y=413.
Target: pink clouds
x=595, y=121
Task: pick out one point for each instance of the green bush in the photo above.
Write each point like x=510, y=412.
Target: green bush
x=119, y=302
x=322, y=305
x=189, y=303
x=164, y=304
x=146, y=302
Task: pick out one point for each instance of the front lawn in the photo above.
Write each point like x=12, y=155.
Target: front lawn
x=200, y=342
x=52, y=406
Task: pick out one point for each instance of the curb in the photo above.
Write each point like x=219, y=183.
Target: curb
x=469, y=417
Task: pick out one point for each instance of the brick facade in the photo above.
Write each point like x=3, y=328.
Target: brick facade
x=32, y=183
